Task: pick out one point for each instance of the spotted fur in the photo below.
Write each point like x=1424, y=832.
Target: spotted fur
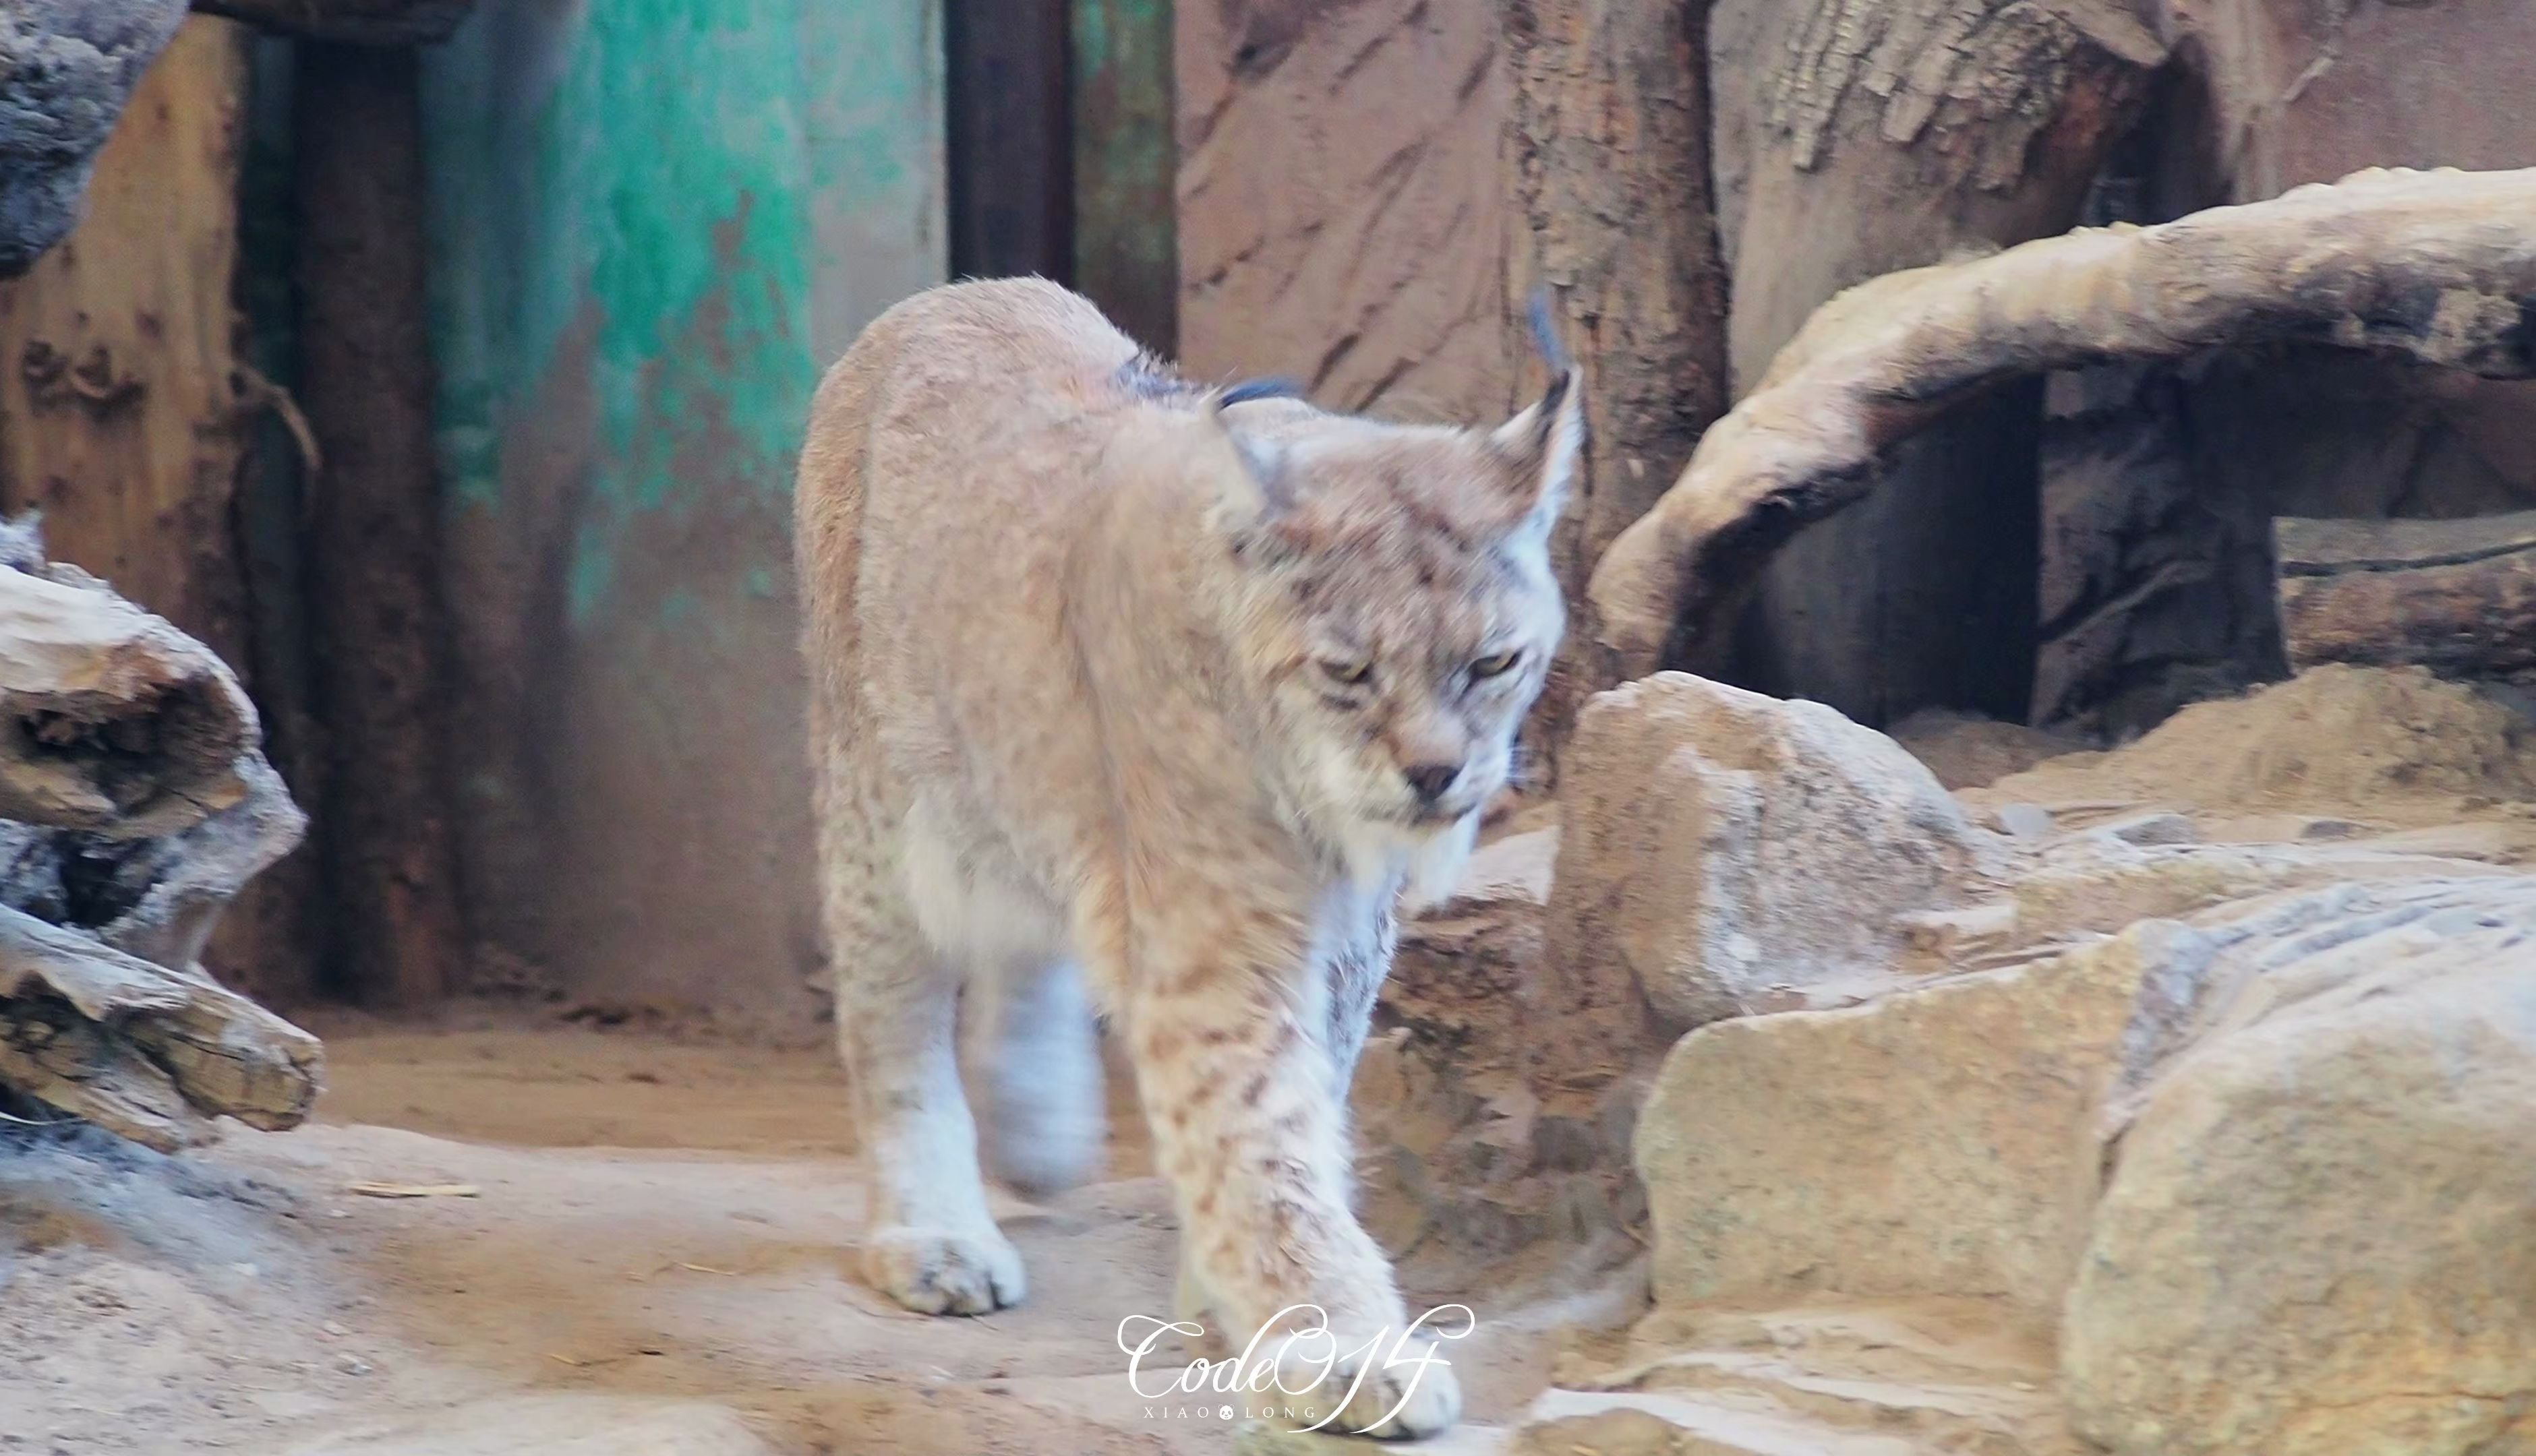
x=1156, y=700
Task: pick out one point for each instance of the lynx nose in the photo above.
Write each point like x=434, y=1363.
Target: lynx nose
x=1432, y=780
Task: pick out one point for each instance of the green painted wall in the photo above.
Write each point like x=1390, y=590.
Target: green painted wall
x=654, y=224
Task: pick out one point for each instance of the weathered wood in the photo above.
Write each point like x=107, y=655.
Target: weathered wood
x=2436, y=265
x=111, y=721
x=386, y=856
x=2456, y=597
x=352, y=22
x=1858, y=137
x=139, y=1048
x=135, y=808
x=1607, y=154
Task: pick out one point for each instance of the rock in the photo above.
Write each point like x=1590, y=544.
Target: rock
x=2024, y=821
x=1515, y=870
x=1944, y=1140
x=2331, y=737
x=1720, y=846
x=1966, y=751
x=1932, y=1142
x=67, y=67
x=2153, y=829
x=1488, y=1122
x=1260, y=1438
x=2315, y=1239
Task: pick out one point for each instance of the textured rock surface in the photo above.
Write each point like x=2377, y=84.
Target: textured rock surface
x=2316, y=1238
x=66, y=69
x=1730, y=849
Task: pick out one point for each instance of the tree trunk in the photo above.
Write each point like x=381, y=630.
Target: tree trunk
x=374, y=612
x=357, y=22
x=1859, y=136
x=1607, y=158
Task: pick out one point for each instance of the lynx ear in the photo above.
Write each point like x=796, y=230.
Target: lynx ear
x=1542, y=445
x=1257, y=488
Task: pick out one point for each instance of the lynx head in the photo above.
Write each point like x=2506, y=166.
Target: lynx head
x=1393, y=608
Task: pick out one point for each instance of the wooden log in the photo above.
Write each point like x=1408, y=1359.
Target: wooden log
x=2456, y=597
x=119, y=404
x=352, y=22
x=1011, y=156
x=2434, y=265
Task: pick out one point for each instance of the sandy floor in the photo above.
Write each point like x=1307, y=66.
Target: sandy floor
x=658, y=1259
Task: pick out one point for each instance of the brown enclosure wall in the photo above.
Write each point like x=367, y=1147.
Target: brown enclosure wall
x=1341, y=205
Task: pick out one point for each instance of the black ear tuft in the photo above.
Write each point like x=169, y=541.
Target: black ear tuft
x=1274, y=388
x=1544, y=337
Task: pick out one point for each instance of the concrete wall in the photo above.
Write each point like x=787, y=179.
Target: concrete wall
x=655, y=222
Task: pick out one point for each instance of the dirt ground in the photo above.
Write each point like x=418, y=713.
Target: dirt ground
x=656, y=1259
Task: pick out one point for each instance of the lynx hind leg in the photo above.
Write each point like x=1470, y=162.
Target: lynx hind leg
x=1047, y=1114
x=931, y=1245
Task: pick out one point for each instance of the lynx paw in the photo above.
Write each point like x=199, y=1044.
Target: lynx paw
x=933, y=1272
x=1404, y=1400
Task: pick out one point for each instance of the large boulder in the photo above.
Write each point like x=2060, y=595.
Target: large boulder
x=1487, y=1122
x=2320, y=1236
x=1731, y=852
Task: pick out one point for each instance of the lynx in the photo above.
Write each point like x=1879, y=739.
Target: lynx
x=1142, y=697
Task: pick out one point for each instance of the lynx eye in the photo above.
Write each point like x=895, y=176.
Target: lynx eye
x=1348, y=674
x=1495, y=665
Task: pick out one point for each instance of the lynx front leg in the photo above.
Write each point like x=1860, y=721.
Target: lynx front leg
x=932, y=1246
x=1229, y=1026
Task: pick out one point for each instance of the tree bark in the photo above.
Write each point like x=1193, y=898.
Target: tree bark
x=2456, y=597
x=378, y=688
x=2430, y=264
x=1607, y=152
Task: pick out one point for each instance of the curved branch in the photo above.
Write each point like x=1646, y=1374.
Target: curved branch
x=2439, y=265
